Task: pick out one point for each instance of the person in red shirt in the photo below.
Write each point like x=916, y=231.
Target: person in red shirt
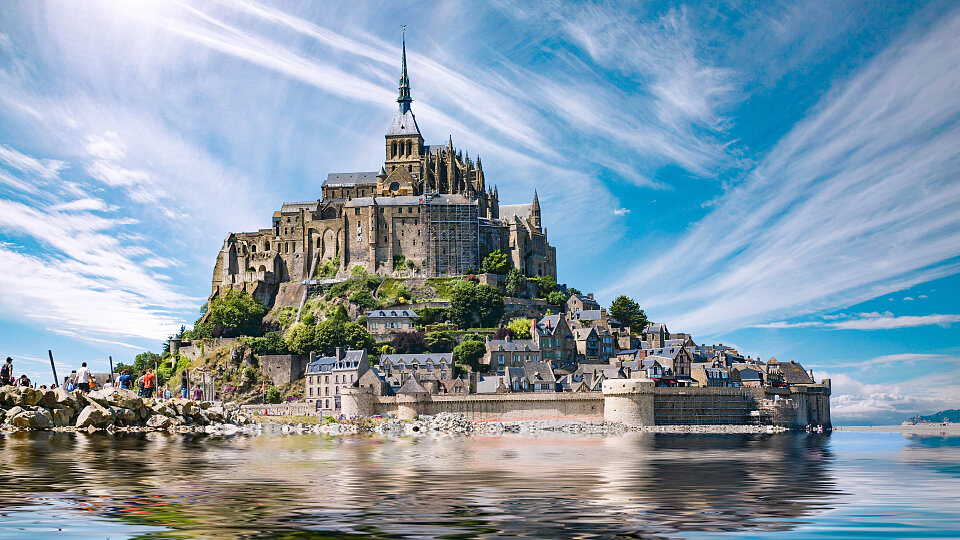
x=149, y=382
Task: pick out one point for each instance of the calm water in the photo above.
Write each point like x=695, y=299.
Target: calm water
x=59, y=485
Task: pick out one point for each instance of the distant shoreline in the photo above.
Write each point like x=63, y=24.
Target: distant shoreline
x=917, y=429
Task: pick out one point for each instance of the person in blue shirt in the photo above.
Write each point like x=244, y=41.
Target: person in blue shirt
x=125, y=380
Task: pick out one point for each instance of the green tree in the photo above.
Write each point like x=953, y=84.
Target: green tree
x=271, y=343
x=520, y=328
x=573, y=290
x=233, y=314
x=364, y=299
x=628, y=312
x=300, y=338
x=470, y=303
x=334, y=333
x=439, y=341
x=272, y=395
x=469, y=353
x=497, y=262
x=516, y=283
x=545, y=285
x=431, y=315
x=557, y=298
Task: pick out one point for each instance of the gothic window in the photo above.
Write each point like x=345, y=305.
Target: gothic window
x=409, y=147
x=393, y=153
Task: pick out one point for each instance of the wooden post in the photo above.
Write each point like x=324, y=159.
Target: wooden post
x=111, y=369
x=54, y=368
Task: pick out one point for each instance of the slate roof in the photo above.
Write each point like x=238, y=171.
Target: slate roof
x=516, y=345
x=378, y=313
x=310, y=206
x=325, y=364
x=412, y=386
x=349, y=179
x=402, y=200
x=588, y=314
x=583, y=333
x=793, y=373
x=488, y=384
x=404, y=124
x=655, y=328
x=539, y=372
x=587, y=301
x=420, y=358
x=548, y=330
x=668, y=352
x=510, y=211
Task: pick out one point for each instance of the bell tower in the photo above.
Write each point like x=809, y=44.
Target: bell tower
x=403, y=140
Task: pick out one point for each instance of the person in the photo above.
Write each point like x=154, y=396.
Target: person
x=83, y=378
x=197, y=393
x=6, y=372
x=24, y=381
x=125, y=380
x=149, y=383
x=167, y=394
x=70, y=386
x=184, y=385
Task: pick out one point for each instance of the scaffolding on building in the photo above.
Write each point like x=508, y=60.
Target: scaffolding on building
x=450, y=232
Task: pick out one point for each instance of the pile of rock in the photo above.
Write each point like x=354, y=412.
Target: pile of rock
x=30, y=409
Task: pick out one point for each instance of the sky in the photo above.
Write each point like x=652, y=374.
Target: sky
x=777, y=176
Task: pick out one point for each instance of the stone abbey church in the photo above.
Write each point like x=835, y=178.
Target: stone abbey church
x=426, y=212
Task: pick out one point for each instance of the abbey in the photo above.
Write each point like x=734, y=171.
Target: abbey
x=427, y=212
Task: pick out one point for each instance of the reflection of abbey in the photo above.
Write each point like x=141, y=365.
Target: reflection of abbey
x=428, y=211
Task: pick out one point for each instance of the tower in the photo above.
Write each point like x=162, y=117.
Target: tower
x=404, y=144
x=535, y=211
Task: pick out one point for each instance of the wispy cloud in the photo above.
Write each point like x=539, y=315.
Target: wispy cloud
x=870, y=321
x=856, y=402
x=858, y=200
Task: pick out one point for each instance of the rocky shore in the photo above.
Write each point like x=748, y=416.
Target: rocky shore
x=112, y=409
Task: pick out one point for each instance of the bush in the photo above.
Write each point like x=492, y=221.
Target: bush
x=358, y=270
x=272, y=395
x=431, y=315
x=470, y=303
x=271, y=343
x=502, y=333
x=516, y=283
x=440, y=341
x=556, y=298
x=399, y=262
x=469, y=353
x=329, y=268
x=409, y=343
x=520, y=328
x=327, y=336
x=232, y=314
x=364, y=299
x=545, y=285
x=497, y=262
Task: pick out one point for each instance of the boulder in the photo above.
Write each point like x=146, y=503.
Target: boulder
x=8, y=396
x=102, y=397
x=127, y=399
x=93, y=416
x=162, y=408
x=29, y=397
x=63, y=416
x=186, y=407
x=70, y=399
x=48, y=399
x=159, y=421
x=123, y=415
x=13, y=411
x=32, y=420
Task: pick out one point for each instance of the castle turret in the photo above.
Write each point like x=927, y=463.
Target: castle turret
x=535, y=211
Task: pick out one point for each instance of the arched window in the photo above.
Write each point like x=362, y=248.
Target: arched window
x=393, y=153
x=253, y=248
x=266, y=246
x=409, y=147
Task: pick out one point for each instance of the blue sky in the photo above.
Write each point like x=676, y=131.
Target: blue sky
x=778, y=176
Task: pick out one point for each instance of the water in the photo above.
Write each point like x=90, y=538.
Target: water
x=860, y=485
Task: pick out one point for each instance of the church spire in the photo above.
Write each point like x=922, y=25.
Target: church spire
x=404, y=99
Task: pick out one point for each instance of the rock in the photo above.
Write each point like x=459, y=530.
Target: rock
x=93, y=416
x=31, y=420
x=13, y=411
x=127, y=416
x=70, y=399
x=102, y=397
x=9, y=396
x=127, y=399
x=143, y=412
x=48, y=399
x=63, y=416
x=188, y=408
x=163, y=409
x=159, y=421
x=29, y=396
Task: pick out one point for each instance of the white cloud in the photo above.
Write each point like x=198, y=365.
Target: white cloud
x=860, y=199
x=47, y=168
x=81, y=205
x=621, y=211
x=855, y=402
x=869, y=321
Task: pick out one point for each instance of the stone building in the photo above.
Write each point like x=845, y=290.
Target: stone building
x=427, y=211
x=386, y=322
x=555, y=339
x=504, y=353
x=428, y=368
x=327, y=377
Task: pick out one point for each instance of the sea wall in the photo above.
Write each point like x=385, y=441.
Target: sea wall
x=281, y=409
x=633, y=402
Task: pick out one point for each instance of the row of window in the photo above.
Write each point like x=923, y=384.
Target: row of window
x=396, y=324
x=315, y=379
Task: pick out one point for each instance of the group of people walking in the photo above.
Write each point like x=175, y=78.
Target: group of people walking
x=85, y=381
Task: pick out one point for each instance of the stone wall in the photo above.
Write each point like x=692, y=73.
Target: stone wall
x=198, y=348
x=281, y=409
x=284, y=368
x=635, y=402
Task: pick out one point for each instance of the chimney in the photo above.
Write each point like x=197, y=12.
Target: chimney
x=339, y=353
x=590, y=295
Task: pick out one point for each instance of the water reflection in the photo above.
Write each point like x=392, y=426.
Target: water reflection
x=548, y=487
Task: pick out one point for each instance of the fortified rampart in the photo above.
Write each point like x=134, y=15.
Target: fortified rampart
x=635, y=402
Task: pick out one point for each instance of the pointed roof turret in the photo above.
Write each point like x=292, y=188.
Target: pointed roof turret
x=403, y=122
x=404, y=99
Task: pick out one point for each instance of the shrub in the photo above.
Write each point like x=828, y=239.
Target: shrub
x=409, y=342
x=440, y=341
x=469, y=353
x=431, y=315
x=556, y=298
x=271, y=343
x=520, y=328
x=358, y=270
x=272, y=395
x=497, y=262
x=471, y=303
x=364, y=299
x=232, y=314
x=516, y=283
